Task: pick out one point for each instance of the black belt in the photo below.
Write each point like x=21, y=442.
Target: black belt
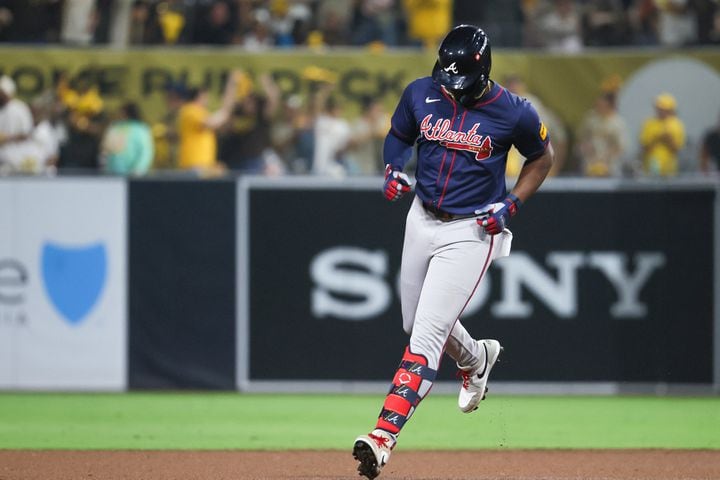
x=444, y=216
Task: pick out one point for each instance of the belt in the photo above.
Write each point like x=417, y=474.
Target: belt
x=444, y=216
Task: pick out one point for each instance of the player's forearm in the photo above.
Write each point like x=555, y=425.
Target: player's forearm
x=533, y=174
x=396, y=152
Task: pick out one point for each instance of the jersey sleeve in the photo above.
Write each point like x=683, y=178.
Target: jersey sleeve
x=403, y=123
x=531, y=135
x=396, y=152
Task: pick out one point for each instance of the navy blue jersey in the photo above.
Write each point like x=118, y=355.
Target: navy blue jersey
x=462, y=152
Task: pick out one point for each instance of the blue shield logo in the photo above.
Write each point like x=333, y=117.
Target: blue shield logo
x=74, y=278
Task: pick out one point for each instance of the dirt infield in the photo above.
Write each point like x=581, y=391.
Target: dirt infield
x=232, y=465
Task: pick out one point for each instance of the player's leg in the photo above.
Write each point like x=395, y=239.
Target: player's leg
x=475, y=360
x=462, y=347
x=454, y=273
x=412, y=379
x=416, y=254
x=414, y=376
x=451, y=279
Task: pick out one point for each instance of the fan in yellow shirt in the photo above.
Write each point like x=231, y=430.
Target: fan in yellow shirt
x=662, y=137
x=428, y=20
x=197, y=127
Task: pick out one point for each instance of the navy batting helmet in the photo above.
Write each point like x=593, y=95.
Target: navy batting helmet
x=463, y=64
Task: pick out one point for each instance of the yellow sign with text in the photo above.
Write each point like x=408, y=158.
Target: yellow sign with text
x=567, y=85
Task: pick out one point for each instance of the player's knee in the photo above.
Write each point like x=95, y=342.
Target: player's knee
x=431, y=332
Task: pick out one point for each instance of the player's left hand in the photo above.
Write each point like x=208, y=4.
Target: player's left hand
x=499, y=218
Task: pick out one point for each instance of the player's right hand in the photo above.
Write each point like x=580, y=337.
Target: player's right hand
x=396, y=185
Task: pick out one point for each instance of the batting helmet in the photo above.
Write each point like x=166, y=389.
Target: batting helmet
x=463, y=64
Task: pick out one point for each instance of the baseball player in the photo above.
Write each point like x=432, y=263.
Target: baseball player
x=463, y=125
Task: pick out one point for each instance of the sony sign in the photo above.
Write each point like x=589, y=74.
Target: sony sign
x=351, y=283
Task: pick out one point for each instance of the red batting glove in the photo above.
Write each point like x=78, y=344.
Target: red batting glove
x=396, y=185
x=500, y=218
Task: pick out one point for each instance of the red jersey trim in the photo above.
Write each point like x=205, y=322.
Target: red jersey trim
x=442, y=163
x=497, y=95
x=452, y=163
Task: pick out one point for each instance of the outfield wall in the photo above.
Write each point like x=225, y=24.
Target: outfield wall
x=291, y=285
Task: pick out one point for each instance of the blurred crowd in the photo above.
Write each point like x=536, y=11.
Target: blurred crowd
x=558, y=25
x=257, y=130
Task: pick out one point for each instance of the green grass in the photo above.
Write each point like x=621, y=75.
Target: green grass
x=259, y=422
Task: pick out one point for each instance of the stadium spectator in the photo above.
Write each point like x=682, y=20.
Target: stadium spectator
x=43, y=146
x=281, y=23
x=293, y=135
x=373, y=21
x=259, y=37
x=710, y=150
x=602, y=139
x=79, y=21
x=368, y=135
x=331, y=135
x=139, y=28
x=662, y=137
x=216, y=26
x=428, y=21
x=559, y=29
x=127, y=147
x=169, y=22
x=642, y=17
x=290, y=22
x=332, y=22
x=707, y=13
x=38, y=152
x=245, y=142
x=604, y=23
x=16, y=125
x=85, y=121
x=197, y=127
x=165, y=131
x=244, y=19
x=677, y=24
x=105, y=16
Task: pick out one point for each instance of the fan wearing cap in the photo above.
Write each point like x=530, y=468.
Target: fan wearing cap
x=662, y=137
x=462, y=125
